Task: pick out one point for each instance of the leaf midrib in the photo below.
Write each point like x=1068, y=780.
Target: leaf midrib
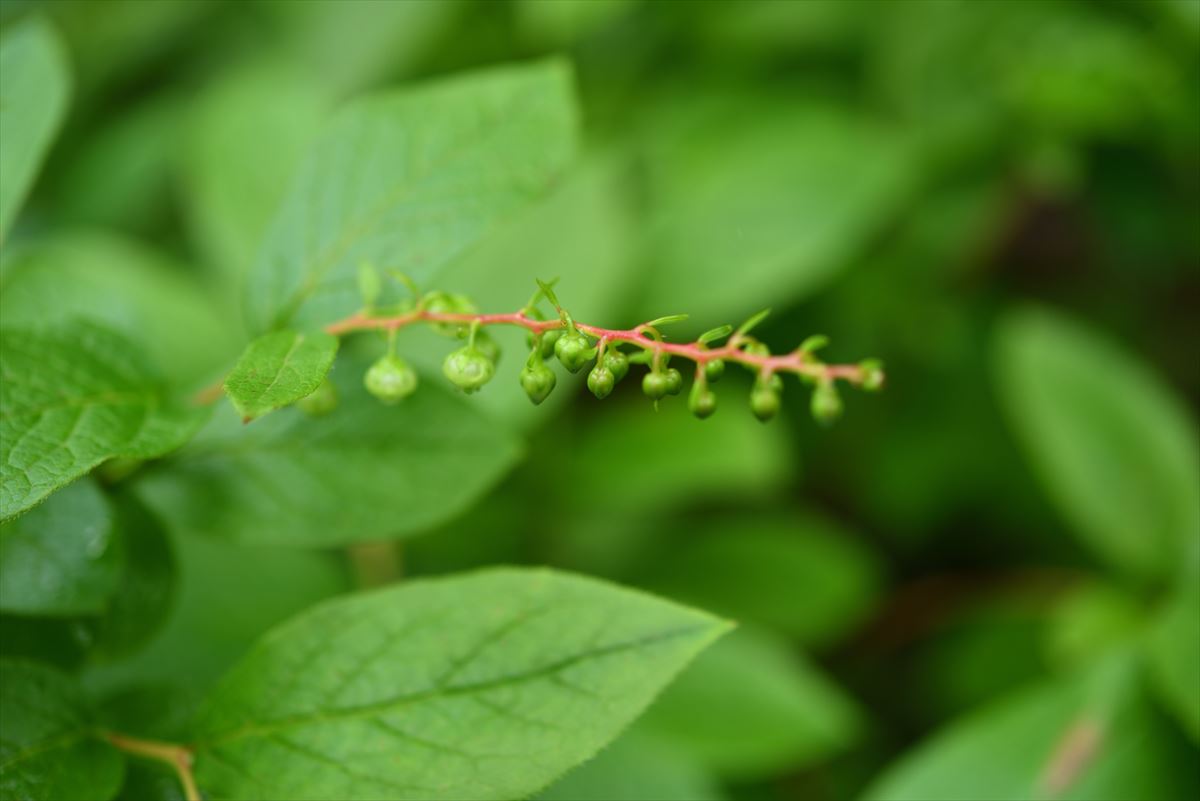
x=369, y=710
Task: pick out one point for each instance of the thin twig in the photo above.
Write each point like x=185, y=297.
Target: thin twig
x=177, y=756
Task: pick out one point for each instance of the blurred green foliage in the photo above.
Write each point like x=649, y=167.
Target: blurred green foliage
x=982, y=583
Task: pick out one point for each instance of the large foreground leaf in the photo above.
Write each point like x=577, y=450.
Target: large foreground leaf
x=408, y=180
x=71, y=398
x=486, y=686
x=1113, y=447
x=33, y=97
x=46, y=745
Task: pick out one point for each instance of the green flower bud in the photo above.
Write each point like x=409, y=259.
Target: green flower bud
x=654, y=385
x=549, y=340
x=758, y=349
x=468, y=369
x=826, y=403
x=764, y=400
x=446, y=303
x=714, y=369
x=701, y=400
x=617, y=362
x=873, y=377
x=538, y=381
x=573, y=351
x=487, y=346
x=601, y=381
x=674, y=381
x=321, y=401
x=390, y=379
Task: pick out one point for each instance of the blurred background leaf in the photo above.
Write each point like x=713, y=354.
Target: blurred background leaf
x=34, y=85
x=1089, y=737
x=1122, y=465
x=749, y=708
x=60, y=558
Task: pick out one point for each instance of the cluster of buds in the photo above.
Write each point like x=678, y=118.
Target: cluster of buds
x=609, y=352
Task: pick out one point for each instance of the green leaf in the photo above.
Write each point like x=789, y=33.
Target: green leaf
x=147, y=585
x=1175, y=657
x=762, y=200
x=140, y=584
x=389, y=38
x=750, y=708
x=639, y=766
x=367, y=471
x=729, y=455
x=1089, y=619
x=370, y=285
x=584, y=233
x=41, y=639
x=71, y=398
x=1089, y=737
x=980, y=649
x=278, y=369
x=485, y=686
x=124, y=285
x=247, y=134
x=561, y=24
x=409, y=179
x=111, y=48
x=46, y=746
x=802, y=576
x=121, y=177
x=1114, y=449
x=223, y=598
x=60, y=558
x=34, y=86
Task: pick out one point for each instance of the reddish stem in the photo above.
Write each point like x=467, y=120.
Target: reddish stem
x=794, y=362
x=797, y=361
